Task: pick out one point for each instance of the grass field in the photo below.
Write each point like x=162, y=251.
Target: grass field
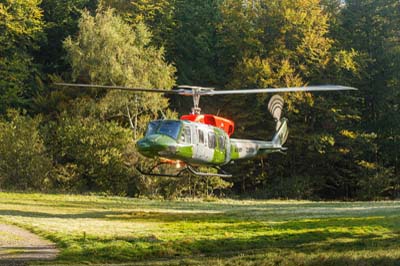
x=101, y=230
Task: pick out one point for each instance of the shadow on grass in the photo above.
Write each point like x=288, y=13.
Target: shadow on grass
x=289, y=236
x=9, y=254
x=125, y=215
x=119, y=251
x=131, y=203
x=346, y=261
x=258, y=222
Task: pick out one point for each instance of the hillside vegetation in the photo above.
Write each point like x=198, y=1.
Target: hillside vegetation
x=95, y=229
x=342, y=145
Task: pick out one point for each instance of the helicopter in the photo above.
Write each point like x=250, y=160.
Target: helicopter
x=197, y=139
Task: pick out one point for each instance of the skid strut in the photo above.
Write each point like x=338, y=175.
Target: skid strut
x=187, y=168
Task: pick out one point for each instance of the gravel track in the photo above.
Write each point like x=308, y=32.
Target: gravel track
x=19, y=245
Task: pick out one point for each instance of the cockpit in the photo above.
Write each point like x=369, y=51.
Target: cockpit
x=170, y=128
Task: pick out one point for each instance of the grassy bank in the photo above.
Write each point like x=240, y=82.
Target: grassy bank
x=92, y=229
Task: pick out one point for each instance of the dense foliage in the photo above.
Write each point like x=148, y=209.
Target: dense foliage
x=24, y=163
x=21, y=27
x=341, y=145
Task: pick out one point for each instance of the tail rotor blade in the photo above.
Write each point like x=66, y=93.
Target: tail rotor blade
x=275, y=106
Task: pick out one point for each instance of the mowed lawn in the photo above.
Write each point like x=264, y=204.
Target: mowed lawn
x=101, y=230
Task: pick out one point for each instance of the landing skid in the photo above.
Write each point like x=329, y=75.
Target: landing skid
x=188, y=168
x=151, y=172
x=195, y=172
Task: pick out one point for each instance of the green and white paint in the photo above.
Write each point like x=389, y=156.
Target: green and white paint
x=201, y=144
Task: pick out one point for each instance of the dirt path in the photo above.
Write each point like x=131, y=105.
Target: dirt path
x=18, y=245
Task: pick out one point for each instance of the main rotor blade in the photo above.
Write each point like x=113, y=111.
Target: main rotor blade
x=194, y=90
x=274, y=90
x=122, y=88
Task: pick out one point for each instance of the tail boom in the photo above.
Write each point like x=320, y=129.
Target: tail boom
x=248, y=149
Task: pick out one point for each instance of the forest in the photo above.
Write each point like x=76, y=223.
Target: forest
x=342, y=145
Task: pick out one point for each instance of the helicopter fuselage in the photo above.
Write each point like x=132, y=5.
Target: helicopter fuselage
x=200, y=144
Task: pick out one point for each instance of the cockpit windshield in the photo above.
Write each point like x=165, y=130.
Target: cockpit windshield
x=168, y=127
x=152, y=127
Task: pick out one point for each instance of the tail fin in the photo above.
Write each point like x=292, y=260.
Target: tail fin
x=282, y=133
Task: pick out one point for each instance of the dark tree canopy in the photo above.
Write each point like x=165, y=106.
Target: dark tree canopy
x=341, y=145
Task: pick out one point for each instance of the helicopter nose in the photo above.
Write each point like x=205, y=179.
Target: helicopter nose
x=154, y=145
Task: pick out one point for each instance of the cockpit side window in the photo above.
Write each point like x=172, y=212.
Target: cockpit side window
x=186, y=135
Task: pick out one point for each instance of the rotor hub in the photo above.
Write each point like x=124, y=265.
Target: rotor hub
x=196, y=92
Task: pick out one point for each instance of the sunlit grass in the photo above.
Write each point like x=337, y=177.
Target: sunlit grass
x=95, y=229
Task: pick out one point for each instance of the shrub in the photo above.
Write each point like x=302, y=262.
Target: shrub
x=91, y=154
x=24, y=163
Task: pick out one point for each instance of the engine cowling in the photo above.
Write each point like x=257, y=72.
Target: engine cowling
x=227, y=125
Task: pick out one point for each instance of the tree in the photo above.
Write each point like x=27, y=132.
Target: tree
x=157, y=15
x=21, y=26
x=108, y=51
x=238, y=35
x=291, y=47
x=61, y=18
x=372, y=27
x=192, y=42
x=186, y=28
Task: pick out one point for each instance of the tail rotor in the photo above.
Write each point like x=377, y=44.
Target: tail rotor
x=275, y=107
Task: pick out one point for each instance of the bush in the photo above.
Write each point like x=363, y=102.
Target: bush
x=379, y=184
x=91, y=155
x=24, y=163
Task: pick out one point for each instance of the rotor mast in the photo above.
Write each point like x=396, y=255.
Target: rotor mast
x=196, y=92
x=196, y=110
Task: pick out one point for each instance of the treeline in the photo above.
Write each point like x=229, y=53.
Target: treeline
x=341, y=146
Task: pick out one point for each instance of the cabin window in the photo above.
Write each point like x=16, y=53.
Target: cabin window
x=201, y=136
x=186, y=135
x=221, y=142
x=211, y=140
